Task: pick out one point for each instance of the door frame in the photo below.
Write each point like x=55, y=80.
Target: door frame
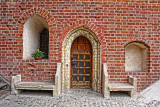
x=96, y=57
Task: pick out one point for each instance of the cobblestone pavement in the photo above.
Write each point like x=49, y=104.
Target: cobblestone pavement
x=73, y=98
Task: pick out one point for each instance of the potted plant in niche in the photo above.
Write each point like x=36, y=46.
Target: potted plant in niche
x=38, y=54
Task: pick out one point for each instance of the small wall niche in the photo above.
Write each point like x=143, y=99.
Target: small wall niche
x=135, y=57
x=31, y=35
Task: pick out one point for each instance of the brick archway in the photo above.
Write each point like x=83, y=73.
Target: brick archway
x=28, y=14
x=35, y=11
x=66, y=47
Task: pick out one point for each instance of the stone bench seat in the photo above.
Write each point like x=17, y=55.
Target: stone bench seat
x=130, y=86
x=18, y=85
x=34, y=86
x=120, y=87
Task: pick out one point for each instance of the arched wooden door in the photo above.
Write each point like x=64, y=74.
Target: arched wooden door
x=81, y=63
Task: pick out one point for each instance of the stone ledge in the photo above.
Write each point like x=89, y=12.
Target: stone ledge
x=120, y=87
x=34, y=85
x=3, y=85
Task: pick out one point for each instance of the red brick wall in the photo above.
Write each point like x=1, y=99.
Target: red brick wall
x=115, y=23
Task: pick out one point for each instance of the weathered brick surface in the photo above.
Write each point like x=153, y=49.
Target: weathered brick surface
x=115, y=22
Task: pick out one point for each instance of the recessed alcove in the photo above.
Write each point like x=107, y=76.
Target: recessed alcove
x=135, y=57
x=33, y=28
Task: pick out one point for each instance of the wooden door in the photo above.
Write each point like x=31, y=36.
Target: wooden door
x=81, y=63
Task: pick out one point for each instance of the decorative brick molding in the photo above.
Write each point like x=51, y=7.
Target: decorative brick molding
x=66, y=47
x=36, y=11
x=94, y=28
x=138, y=41
x=83, y=23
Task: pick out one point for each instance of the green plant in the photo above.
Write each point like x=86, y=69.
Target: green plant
x=38, y=53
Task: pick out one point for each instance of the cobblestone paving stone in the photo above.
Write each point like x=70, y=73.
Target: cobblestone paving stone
x=73, y=98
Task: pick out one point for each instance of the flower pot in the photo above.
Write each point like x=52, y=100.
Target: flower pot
x=37, y=58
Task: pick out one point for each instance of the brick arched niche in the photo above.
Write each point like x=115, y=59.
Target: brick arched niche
x=66, y=51
x=31, y=35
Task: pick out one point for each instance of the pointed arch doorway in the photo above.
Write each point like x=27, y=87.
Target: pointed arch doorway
x=95, y=73
x=81, y=63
